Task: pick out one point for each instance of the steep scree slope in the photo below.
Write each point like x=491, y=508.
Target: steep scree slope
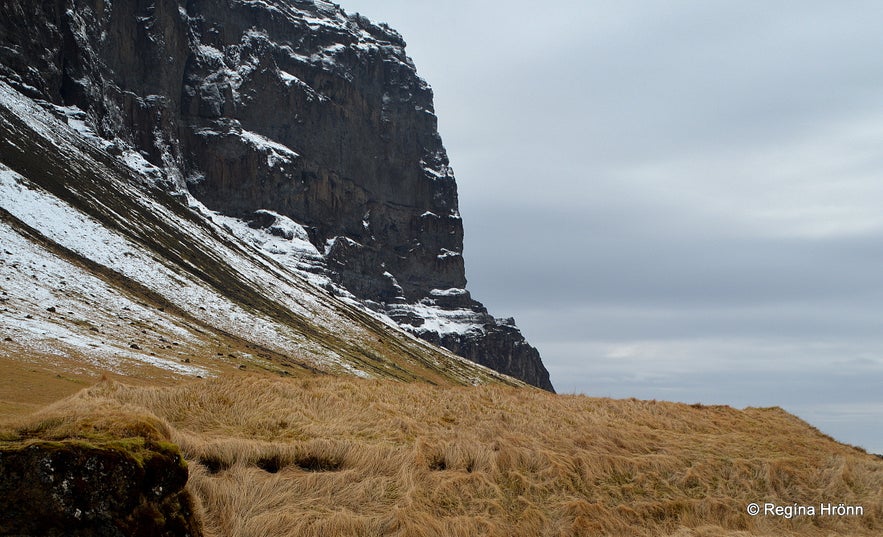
x=306, y=127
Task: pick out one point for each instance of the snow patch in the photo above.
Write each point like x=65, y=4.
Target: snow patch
x=137, y=163
x=208, y=52
x=276, y=152
x=448, y=292
x=445, y=254
x=443, y=172
x=438, y=320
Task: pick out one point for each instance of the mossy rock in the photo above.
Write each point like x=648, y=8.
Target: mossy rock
x=126, y=487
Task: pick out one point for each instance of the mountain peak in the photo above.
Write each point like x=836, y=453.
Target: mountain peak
x=304, y=132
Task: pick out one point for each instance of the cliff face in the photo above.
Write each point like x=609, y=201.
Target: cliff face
x=308, y=124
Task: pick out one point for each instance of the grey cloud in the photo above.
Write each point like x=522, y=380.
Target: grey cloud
x=567, y=257
x=734, y=73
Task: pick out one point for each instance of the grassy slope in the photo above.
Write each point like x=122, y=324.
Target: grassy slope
x=336, y=456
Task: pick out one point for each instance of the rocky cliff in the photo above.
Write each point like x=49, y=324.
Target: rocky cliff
x=306, y=129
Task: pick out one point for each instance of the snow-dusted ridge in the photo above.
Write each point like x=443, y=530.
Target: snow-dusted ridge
x=106, y=270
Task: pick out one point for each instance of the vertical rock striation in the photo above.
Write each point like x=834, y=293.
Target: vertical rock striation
x=306, y=123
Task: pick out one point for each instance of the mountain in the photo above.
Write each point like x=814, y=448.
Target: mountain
x=105, y=272
x=296, y=132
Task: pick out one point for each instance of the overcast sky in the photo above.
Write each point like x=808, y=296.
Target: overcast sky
x=677, y=200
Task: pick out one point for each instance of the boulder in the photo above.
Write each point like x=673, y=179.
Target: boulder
x=126, y=488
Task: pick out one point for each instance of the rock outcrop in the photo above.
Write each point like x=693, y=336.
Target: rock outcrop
x=306, y=123
x=122, y=488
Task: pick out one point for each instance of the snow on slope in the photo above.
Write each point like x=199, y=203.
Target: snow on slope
x=82, y=234
x=189, y=258
x=55, y=307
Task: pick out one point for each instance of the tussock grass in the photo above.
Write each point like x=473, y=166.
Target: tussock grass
x=90, y=419
x=326, y=456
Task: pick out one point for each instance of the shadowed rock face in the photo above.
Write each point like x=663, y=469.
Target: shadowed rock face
x=76, y=488
x=292, y=107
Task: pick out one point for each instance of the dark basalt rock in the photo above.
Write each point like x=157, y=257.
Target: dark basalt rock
x=76, y=488
x=291, y=106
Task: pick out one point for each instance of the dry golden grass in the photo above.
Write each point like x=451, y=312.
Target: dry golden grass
x=26, y=387
x=327, y=456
